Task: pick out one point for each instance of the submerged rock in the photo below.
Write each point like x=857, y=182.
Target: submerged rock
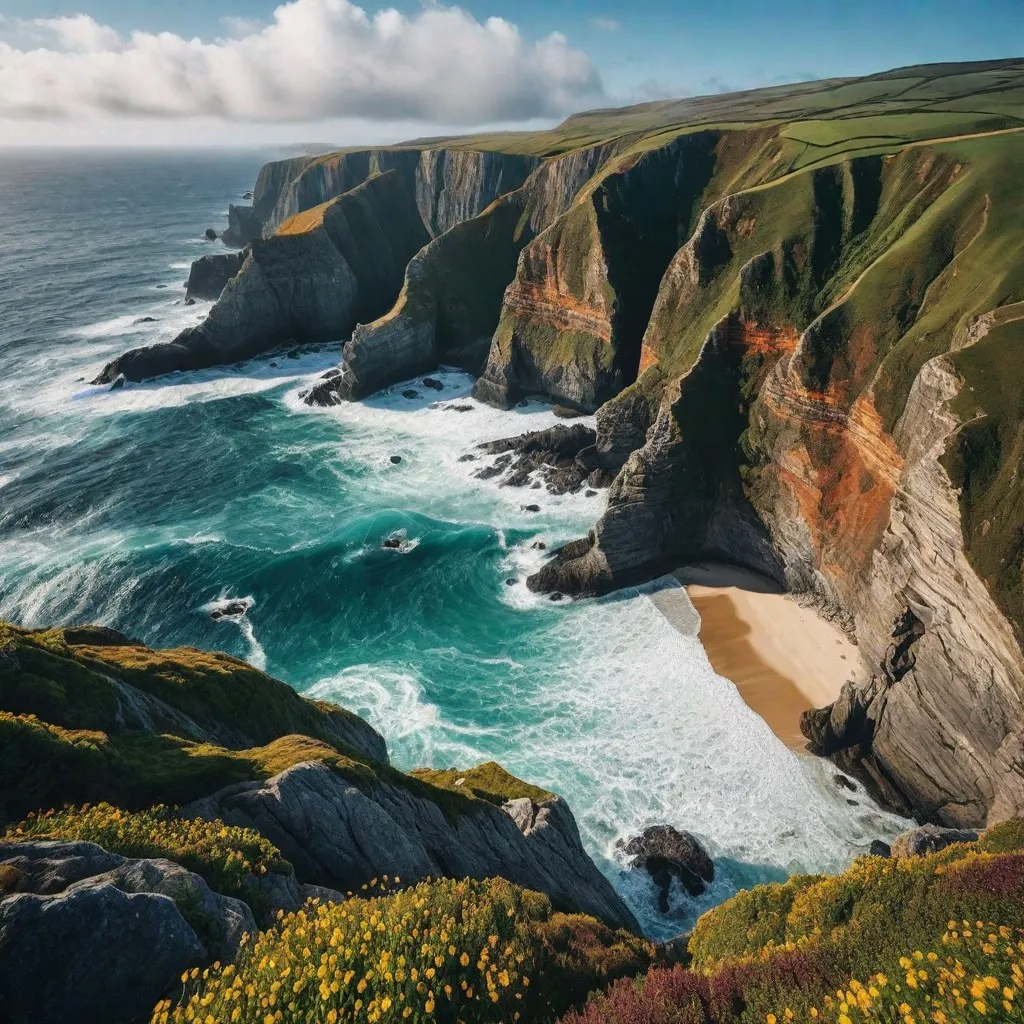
x=433, y=384
x=410, y=393
x=666, y=853
x=396, y=459
x=229, y=610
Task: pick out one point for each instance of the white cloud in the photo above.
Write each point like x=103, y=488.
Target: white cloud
x=316, y=59
x=606, y=24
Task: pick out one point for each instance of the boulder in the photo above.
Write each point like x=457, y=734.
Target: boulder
x=666, y=853
x=210, y=235
x=557, y=455
x=94, y=954
x=879, y=849
x=929, y=839
x=433, y=384
x=117, y=932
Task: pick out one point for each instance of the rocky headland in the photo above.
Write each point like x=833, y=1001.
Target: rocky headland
x=796, y=339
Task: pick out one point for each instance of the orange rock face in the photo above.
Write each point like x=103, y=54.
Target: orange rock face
x=839, y=465
x=541, y=293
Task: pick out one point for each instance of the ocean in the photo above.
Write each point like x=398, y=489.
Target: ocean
x=145, y=507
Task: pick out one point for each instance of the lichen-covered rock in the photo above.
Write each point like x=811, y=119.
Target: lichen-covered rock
x=51, y=868
x=342, y=831
x=91, y=955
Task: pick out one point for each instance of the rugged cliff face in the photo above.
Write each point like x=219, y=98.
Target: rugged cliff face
x=312, y=281
x=451, y=299
x=573, y=318
x=818, y=345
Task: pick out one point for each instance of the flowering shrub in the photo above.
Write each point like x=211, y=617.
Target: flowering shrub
x=225, y=855
x=440, y=951
x=782, y=953
x=974, y=974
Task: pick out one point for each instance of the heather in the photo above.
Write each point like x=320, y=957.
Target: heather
x=815, y=947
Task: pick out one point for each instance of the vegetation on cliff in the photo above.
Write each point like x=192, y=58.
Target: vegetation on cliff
x=438, y=951
x=813, y=948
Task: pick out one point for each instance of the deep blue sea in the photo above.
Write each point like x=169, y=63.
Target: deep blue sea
x=144, y=507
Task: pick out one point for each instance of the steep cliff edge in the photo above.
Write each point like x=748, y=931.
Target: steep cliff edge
x=312, y=281
x=572, y=320
x=88, y=715
x=838, y=412
x=451, y=299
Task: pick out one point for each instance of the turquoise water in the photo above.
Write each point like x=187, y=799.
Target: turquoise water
x=143, y=508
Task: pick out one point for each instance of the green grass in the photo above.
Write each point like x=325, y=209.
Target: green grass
x=487, y=781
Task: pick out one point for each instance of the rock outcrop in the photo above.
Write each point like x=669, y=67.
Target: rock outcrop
x=312, y=281
x=209, y=275
x=666, y=853
x=343, y=831
x=562, y=457
x=919, y=842
x=91, y=936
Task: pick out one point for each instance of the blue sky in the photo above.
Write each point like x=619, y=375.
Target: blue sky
x=613, y=52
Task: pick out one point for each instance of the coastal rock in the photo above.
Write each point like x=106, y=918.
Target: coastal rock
x=210, y=274
x=340, y=832
x=557, y=454
x=94, y=934
x=918, y=842
x=666, y=853
x=311, y=282
x=210, y=235
x=92, y=911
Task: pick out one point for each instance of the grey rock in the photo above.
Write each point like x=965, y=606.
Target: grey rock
x=209, y=275
x=929, y=839
x=340, y=833
x=210, y=235
x=92, y=954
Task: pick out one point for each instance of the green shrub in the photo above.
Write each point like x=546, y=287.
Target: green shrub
x=226, y=856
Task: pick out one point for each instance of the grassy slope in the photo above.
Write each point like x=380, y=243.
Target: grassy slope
x=61, y=740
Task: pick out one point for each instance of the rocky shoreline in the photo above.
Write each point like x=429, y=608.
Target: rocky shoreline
x=770, y=388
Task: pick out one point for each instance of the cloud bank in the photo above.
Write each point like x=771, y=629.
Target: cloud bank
x=316, y=60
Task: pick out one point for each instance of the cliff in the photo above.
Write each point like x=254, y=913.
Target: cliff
x=311, y=281
x=828, y=418
x=793, y=311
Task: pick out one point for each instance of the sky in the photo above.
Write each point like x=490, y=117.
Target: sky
x=252, y=72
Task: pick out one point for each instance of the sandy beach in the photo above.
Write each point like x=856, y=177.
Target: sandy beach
x=782, y=657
